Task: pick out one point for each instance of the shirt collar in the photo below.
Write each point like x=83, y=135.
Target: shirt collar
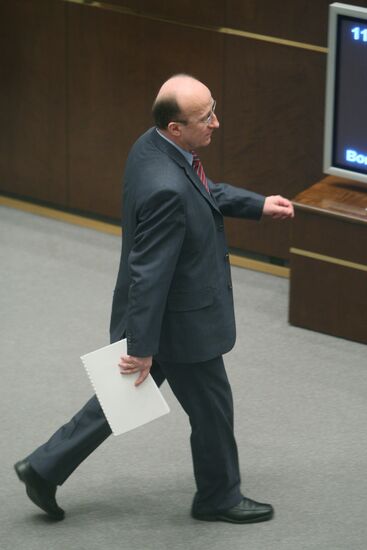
x=188, y=156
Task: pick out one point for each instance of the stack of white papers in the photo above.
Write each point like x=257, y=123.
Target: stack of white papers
x=125, y=406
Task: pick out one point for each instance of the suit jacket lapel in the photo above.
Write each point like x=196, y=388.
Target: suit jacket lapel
x=175, y=155
x=192, y=175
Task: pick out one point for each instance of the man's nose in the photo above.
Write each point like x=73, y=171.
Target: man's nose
x=214, y=123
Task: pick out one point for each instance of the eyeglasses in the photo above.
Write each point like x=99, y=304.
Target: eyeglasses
x=208, y=120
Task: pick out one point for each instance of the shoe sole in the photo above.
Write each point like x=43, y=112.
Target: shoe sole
x=218, y=517
x=58, y=517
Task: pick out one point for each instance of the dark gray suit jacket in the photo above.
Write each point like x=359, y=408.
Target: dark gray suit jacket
x=173, y=297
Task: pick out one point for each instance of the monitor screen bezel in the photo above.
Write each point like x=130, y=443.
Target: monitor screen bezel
x=336, y=10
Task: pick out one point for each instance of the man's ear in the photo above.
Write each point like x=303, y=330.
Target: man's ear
x=174, y=129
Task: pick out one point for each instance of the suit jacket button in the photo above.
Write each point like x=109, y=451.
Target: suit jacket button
x=220, y=227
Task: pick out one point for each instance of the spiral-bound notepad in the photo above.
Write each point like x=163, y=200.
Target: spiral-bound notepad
x=125, y=406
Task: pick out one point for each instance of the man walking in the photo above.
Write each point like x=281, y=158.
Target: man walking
x=173, y=302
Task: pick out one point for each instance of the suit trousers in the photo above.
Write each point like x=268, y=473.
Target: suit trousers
x=204, y=393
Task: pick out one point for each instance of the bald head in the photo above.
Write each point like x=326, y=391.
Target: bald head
x=180, y=97
x=184, y=112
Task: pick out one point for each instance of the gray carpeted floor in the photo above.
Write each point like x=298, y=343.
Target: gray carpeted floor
x=300, y=402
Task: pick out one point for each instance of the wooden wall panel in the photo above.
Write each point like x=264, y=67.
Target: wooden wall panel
x=298, y=20
x=113, y=81
x=205, y=12
x=332, y=236
x=32, y=99
x=106, y=104
x=79, y=82
x=273, y=130
x=328, y=298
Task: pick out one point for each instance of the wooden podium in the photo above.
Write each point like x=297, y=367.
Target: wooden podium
x=328, y=287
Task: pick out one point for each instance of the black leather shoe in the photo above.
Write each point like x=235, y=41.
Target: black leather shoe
x=247, y=511
x=39, y=490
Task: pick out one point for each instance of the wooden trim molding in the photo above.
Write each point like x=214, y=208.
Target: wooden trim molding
x=256, y=265
x=61, y=216
x=329, y=259
x=210, y=28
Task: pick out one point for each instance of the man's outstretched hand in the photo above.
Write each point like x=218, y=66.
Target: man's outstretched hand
x=278, y=207
x=129, y=364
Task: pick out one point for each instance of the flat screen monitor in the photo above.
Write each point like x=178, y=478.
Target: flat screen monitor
x=345, y=139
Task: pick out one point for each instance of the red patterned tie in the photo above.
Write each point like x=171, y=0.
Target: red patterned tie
x=198, y=167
